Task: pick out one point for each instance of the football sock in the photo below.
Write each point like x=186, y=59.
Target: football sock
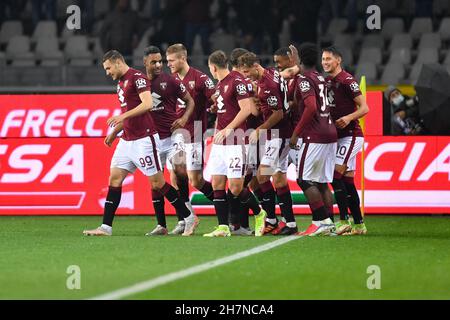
x=244, y=216
x=285, y=203
x=340, y=194
x=172, y=195
x=247, y=198
x=111, y=204
x=353, y=200
x=221, y=206
x=158, y=205
x=235, y=208
x=268, y=199
x=207, y=190
x=319, y=212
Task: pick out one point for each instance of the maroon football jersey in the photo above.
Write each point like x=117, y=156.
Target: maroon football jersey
x=321, y=129
x=294, y=113
x=343, y=90
x=252, y=121
x=165, y=92
x=201, y=88
x=272, y=96
x=231, y=90
x=130, y=85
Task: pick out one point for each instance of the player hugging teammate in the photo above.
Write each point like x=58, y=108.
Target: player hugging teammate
x=266, y=120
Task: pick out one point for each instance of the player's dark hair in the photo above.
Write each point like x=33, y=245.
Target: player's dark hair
x=177, y=48
x=309, y=54
x=219, y=59
x=248, y=60
x=235, y=54
x=112, y=55
x=151, y=50
x=333, y=50
x=283, y=51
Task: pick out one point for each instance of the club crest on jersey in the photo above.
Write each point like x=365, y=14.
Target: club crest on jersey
x=163, y=85
x=304, y=86
x=191, y=85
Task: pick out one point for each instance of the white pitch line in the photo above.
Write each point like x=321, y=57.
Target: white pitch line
x=162, y=280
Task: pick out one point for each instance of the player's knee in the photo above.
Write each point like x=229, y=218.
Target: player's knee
x=235, y=188
x=279, y=180
x=305, y=184
x=196, y=181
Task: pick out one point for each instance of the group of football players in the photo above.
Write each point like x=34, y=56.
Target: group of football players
x=267, y=119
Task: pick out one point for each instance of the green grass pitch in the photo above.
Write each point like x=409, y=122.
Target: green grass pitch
x=412, y=252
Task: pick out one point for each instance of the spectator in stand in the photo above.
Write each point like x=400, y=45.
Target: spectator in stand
x=405, y=118
x=196, y=14
x=120, y=30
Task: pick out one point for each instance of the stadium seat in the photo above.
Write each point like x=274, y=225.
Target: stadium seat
x=367, y=69
x=373, y=41
x=45, y=29
x=370, y=55
x=77, y=51
x=428, y=55
x=415, y=72
x=344, y=40
x=444, y=29
x=400, y=55
x=347, y=56
x=420, y=26
x=18, y=50
x=401, y=40
x=448, y=68
x=47, y=49
x=392, y=73
x=336, y=26
x=430, y=40
x=447, y=58
x=10, y=29
x=391, y=27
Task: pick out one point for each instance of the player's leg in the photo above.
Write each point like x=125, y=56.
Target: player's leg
x=354, y=204
x=218, y=169
x=285, y=202
x=311, y=167
x=194, y=166
x=236, y=170
x=343, y=153
x=121, y=165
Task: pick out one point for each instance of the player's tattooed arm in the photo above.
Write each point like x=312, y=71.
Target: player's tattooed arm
x=145, y=106
x=190, y=104
x=361, y=111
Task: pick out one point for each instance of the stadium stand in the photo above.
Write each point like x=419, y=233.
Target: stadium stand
x=406, y=41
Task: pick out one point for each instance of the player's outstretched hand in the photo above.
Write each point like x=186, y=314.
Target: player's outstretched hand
x=254, y=137
x=177, y=124
x=114, y=121
x=221, y=135
x=293, y=56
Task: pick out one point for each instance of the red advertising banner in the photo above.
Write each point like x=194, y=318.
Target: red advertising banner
x=53, y=162
x=70, y=176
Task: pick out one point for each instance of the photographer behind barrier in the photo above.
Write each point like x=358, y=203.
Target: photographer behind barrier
x=405, y=118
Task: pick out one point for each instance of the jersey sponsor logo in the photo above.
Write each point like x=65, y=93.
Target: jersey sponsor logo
x=354, y=86
x=156, y=102
x=220, y=104
x=141, y=83
x=272, y=101
x=241, y=89
x=163, y=85
x=305, y=86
